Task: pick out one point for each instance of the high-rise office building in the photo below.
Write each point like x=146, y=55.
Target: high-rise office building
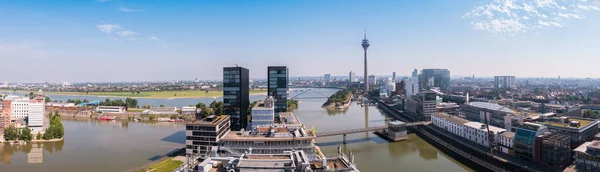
x=504, y=82
x=278, y=86
x=352, y=77
x=435, y=78
x=415, y=73
x=327, y=77
x=394, y=76
x=236, y=96
x=365, y=44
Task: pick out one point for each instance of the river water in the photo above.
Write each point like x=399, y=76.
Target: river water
x=91, y=145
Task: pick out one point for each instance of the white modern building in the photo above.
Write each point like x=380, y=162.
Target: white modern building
x=505, y=141
x=19, y=107
x=60, y=104
x=352, y=77
x=36, y=110
x=390, y=86
x=263, y=113
x=472, y=131
x=188, y=110
x=411, y=86
x=111, y=109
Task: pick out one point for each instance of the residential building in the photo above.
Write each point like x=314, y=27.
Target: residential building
x=263, y=112
x=504, y=82
x=273, y=139
x=524, y=142
x=236, y=85
x=411, y=87
x=452, y=124
x=278, y=79
x=372, y=81
x=505, y=142
x=111, y=109
x=587, y=157
x=496, y=115
x=201, y=135
x=580, y=129
x=435, y=78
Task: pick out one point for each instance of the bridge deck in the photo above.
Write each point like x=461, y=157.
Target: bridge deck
x=360, y=130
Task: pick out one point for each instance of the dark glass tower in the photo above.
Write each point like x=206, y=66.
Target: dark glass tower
x=278, y=87
x=236, y=96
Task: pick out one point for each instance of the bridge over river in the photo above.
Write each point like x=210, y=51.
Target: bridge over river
x=376, y=128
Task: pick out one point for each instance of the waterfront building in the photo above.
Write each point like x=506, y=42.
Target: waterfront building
x=288, y=161
x=60, y=104
x=188, y=110
x=36, y=112
x=201, y=135
x=587, y=157
x=452, y=124
x=372, y=80
x=422, y=105
x=263, y=112
x=478, y=132
x=110, y=109
x=504, y=82
x=365, y=44
x=411, y=86
x=555, y=149
x=435, y=78
x=19, y=107
x=352, y=77
x=524, y=142
x=4, y=122
x=236, y=85
x=495, y=114
x=267, y=139
x=580, y=129
x=505, y=142
x=278, y=79
x=161, y=111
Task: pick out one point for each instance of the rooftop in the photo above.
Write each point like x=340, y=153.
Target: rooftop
x=285, y=114
x=480, y=126
x=508, y=134
x=267, y=156
x=210, y=120
x=492, y=106
x=583, y=122
x=263, y=133
x=451, y=118
x=331, y=163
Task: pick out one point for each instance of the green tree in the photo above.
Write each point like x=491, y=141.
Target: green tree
x=162, y=105
x=10, y=133
x=26, y=134
x=49, y=133
x=39, y=136
x=31, y=95
x=200, y=105
x=48, y=99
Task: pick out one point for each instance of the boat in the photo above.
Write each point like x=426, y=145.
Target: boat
x=107, y=118
x=176, y=120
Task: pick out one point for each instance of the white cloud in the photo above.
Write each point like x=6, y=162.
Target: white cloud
x=128, y=10
x=108, y=28
x=520, y=16
x=154, y=38
x=126, y=33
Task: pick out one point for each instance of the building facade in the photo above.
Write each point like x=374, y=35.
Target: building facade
x=524, y=142
x=36, y=110
x=495, y=114
x=580, y=130
x=504, y=82
x=587, y=157
x=411, y=87
x=110, y=109
x=505, y=142
x=201, y=135
x=435, y=78
x=263, y=113
x=352, y=77
x=327, y=77
x=19, y=107
x=278, y=79
x=372, y=81
x=236, y=85
x=422, y=105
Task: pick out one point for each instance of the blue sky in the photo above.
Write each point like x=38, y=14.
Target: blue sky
x=135, y=40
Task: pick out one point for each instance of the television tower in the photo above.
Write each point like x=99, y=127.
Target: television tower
x=365, y=45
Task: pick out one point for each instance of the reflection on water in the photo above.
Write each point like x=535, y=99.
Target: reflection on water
x=34, y=151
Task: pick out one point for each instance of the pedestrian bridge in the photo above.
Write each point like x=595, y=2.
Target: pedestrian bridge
x=360, y=130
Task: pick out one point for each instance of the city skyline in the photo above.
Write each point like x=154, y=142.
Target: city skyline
x=114, y=40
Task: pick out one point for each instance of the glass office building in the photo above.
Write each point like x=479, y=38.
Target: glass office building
x=524, y=142
x=236, y=96
x=278, y=87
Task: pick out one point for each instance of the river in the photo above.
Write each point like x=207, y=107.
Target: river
x=117, y=146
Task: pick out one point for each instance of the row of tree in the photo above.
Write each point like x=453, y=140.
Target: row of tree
x=129, y=102
x=56, y=129
x=338, y=96
x=215, y=108
x=13, y=133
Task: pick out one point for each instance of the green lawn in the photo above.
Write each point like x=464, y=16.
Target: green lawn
x=165, y=166
x=163, y=94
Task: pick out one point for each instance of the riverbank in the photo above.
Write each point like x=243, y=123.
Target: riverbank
x=45, y=141
x=162, y=94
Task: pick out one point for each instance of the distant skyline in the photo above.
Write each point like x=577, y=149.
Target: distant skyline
x=134, y=40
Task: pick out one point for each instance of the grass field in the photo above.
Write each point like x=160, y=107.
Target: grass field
x=165, y=166
x=163, y=94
